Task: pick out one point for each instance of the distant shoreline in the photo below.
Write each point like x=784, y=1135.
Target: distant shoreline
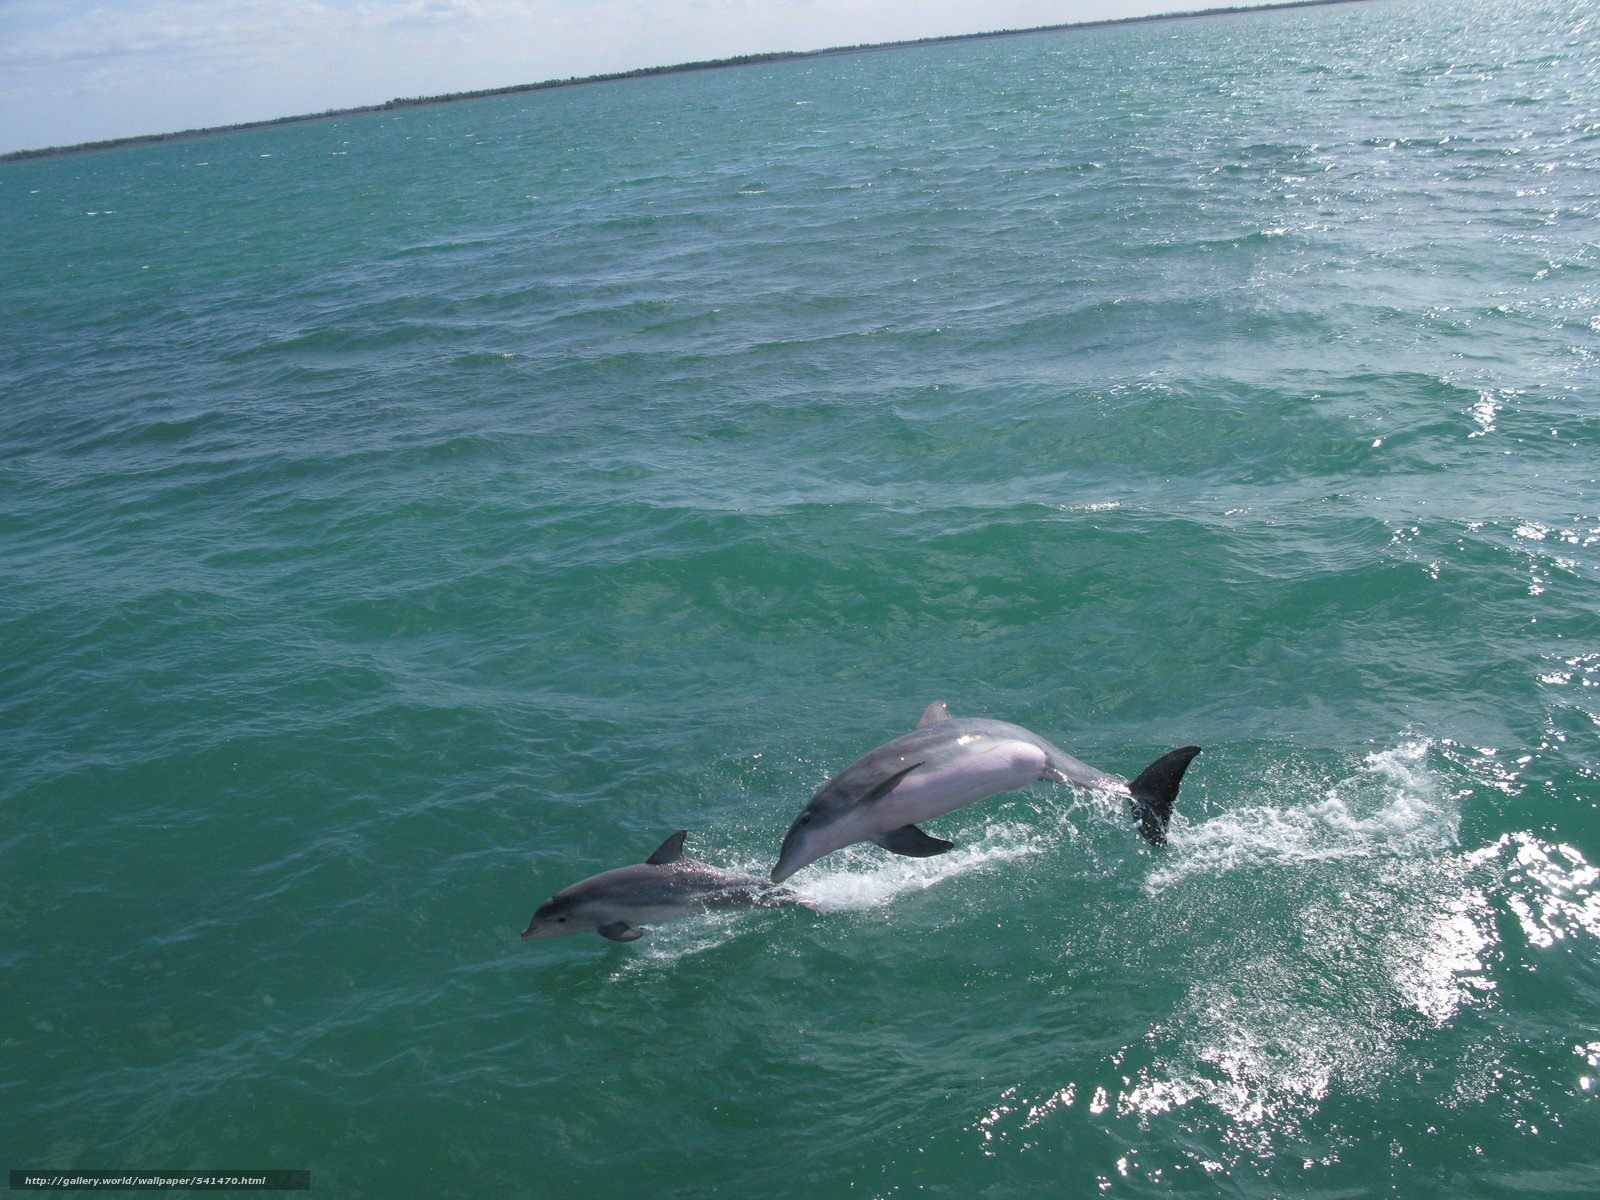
x=741, y=60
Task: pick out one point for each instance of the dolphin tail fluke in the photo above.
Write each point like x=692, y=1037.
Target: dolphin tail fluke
x=1156, y=790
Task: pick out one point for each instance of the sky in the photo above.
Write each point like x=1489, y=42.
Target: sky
x=82, y=70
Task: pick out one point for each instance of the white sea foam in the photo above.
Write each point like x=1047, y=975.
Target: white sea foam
x=864, y=877
x=1393, y=805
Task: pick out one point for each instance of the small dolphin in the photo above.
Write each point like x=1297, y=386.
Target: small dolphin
x=665, y=887
x=947, y=763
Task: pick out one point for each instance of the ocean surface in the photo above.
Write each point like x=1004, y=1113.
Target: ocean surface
x=403, y=516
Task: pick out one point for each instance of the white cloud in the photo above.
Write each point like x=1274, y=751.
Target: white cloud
x=238, y=27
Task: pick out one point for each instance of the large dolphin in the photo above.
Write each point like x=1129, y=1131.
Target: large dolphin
x=947, y=763
x=665, y=887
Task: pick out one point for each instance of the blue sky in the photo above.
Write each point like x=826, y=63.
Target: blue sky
x=78, y=70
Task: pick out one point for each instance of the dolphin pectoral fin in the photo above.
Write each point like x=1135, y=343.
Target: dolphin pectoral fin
x=888, y=785
x=912, y=842
x=1156, y=790
x=619, y=931
x=670, y=851
x=934, y=713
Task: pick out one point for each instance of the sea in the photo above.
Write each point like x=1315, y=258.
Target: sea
x=407, y=514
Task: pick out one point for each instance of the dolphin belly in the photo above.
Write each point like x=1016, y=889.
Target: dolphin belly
x=657, y=913
x=976, y=770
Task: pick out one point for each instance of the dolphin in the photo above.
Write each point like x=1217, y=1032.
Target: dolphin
x=665, y=887
x=950, y=762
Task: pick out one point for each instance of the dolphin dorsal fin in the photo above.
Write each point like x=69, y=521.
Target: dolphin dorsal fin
x=934, y=713
x=670, y=851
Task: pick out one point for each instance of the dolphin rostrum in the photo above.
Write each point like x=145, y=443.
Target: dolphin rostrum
x=947, y=763
x=665, y=887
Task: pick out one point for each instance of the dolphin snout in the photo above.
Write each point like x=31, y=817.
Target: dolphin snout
x=792, y=855
x=782, y=869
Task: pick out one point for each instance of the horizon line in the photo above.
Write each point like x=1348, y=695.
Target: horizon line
x=713, y=64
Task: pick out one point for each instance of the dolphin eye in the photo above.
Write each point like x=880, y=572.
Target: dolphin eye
x=561, y=920
x=805, y=819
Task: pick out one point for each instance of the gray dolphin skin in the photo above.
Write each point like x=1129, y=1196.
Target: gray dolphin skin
x=665, y=887
x=947, y=763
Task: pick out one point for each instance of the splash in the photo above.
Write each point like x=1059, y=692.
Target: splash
x=1379, y=935
x=857, y=878
x=664, y=945
x=1387, y=933
x=864, y=877
x=1415, y=949
x=1393, y=805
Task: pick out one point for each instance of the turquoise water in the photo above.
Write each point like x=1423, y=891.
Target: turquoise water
x=404, y=516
